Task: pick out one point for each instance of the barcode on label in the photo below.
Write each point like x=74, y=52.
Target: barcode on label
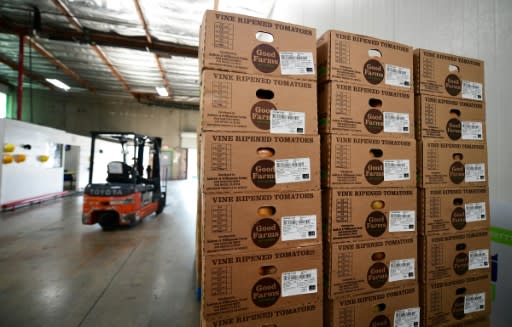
x=289, y=164
x=295, y=277
x=297, y=222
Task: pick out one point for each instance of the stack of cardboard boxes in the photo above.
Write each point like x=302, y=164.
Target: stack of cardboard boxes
x=259, y=232
x=453, y=194
x=366, y=115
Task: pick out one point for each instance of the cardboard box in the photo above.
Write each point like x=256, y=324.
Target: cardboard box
x=369, y=214
x=251, y=103
x=246, y=162
x=369, y=266
x=454, y=256
x=451, y=164
x=366, y=111
x=450, y=119
x=245, y=222
x=453, y=210
x=478, y=322
x=262, y=281
x=443, y=74
x=456, y=301
x=367, y=162
x=398, y=307
x=364, y=60
x=256, y=46
x=298, y=315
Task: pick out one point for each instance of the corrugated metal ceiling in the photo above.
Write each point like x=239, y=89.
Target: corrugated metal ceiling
x=115, y=48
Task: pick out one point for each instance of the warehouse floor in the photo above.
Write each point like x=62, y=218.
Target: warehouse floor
x=54, y=271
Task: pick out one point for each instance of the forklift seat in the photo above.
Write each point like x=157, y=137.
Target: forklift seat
x=119, y=172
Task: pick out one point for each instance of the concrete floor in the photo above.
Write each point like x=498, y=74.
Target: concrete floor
x=54, y=271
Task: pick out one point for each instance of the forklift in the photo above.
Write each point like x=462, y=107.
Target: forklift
x=125, y=197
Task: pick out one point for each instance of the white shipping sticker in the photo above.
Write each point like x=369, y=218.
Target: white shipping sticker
x=472, y=130
x=398, y=76
x=478, y=259
x=396, y=122
x=407, y=317
x=299, y=282
x=402, y=221
x=474, y=173
x=297, y=63
x=472, y=90
x=474, y=303
x=287, y=122
x=396, y=170
x=401, y=270
x=298, y=228
x=292, y=170
x=475, y=211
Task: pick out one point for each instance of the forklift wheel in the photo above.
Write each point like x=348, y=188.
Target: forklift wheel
x=161, y=204
x=108, y=221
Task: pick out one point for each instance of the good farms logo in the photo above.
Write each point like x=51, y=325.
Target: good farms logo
x=266, y=292
x=260, y=114
x=263, y=175
x=265, y=58
x=373, y=71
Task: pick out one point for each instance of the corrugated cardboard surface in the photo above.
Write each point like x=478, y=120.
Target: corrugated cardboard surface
x=369, y=162
x=345, y=57
x=398, y=307
x=298, y=315
x=451, y=164
x=477, y=322
x=366, y=214
x=369, y=266
x=229, y=42
x=450, y=119
x=244, y=103
x=444, y=303
x=261, y=281
x=453, y=210
x=444, y=74
x=362, y=110
x=233, y=162
x=243, y=222
x=454, y=255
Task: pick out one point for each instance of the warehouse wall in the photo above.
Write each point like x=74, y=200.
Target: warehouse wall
x=81, y=114
x=472, y=28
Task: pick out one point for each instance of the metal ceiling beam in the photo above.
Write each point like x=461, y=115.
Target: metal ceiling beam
x=92, y=37
x=104, y=58
x=143, y=20
x=59, y=64
x=14, y=66
x=73, y=21
x=167, y=85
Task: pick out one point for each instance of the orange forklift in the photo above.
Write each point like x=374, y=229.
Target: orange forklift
x=126, y=197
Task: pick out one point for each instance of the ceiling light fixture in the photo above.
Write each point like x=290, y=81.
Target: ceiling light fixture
x=162, y=91
x=58, y=83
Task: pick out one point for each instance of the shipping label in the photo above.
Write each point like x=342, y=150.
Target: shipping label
x=299, y=282
x=396, y=170
x=398, y=76
x=472, y=90
x=402, y=221
x=407, y=317
x=474, y=303
x=475, y=211
x=474, y=173
x=297, y=63
x=472, y=130
x=292, y=170
x=298, y=227
x=478, y=259
x=287, y=122
x=395, y=122
x=401, y=270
